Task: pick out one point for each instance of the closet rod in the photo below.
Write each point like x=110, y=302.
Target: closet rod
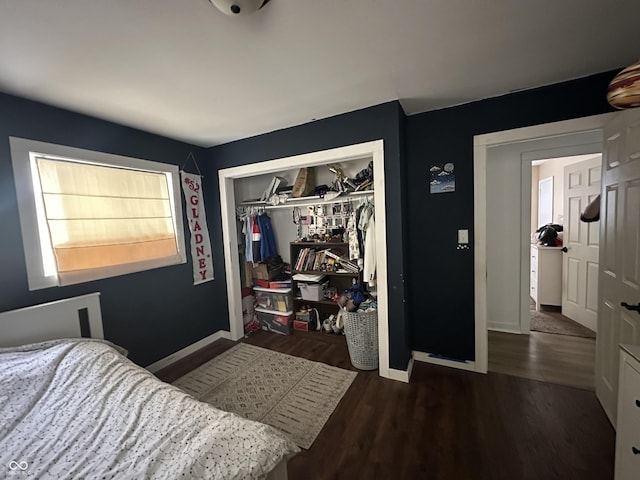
x=306, y=201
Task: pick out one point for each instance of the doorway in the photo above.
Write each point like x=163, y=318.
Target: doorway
x=370, y=150
x=500, y=254
x=550, y=346
x=564, y=265
x=617, y=134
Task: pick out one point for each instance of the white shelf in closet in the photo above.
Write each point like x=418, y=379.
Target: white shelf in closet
x=272, y=290
x=273, y=312
x=304, y=201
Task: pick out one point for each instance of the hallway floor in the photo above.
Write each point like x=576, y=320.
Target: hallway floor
x=559, y=359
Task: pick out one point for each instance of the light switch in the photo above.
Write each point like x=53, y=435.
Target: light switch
x=463, y=236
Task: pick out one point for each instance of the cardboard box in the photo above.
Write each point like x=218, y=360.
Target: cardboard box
x=263, y=271
x=275, y=322
x=301, y=325
x=273, y=283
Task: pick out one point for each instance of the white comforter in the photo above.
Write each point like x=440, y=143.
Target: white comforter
x=80, y=409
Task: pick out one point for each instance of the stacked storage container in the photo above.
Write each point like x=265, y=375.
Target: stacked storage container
x=273, y=307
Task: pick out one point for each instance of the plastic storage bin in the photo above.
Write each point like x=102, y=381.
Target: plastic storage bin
x=312, y=291
x=278, y=299
x=361, y=330
x=273, y=321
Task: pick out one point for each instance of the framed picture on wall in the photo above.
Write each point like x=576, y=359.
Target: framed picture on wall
x=442, y=178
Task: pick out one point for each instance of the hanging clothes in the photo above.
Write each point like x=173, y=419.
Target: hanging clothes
x=369, y=273
x=352, y=234
x=268, y=246
x=247, y=238
x=255, y=239
x=240, y=223
x=358, y=236
x=365, y=213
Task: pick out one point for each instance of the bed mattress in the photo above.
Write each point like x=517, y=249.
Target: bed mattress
x=80, y=409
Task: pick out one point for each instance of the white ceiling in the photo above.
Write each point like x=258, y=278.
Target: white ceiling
x=182, y=69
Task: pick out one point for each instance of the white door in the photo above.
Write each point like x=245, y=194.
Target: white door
x=581, y=240
x=619, y=252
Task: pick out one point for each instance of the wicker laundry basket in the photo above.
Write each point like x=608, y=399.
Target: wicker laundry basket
x=361, y=330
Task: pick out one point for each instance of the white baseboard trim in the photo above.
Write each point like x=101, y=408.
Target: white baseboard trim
x=429, y=358
x=401, y=375
x=507, y=330
x=194, y=347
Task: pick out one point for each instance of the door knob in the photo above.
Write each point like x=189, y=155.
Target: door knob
x=565, y=249
x=631, y=307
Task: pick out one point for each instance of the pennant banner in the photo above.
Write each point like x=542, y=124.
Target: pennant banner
x=200, y=244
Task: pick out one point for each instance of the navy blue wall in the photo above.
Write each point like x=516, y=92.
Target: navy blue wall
x=441, y=277
x=431, y=296
x=380, y=122
x=153, y=313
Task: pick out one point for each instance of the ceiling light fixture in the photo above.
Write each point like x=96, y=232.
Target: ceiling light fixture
x=238, y=7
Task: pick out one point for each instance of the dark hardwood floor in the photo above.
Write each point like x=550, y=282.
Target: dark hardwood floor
x=548, y=357
x=445, y=424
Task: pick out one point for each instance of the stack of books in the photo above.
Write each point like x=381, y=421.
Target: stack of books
x=306, y=260
x=323, y=260
x=345, y=263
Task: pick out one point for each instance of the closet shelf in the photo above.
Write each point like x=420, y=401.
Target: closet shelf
x=321, y=302
x=273, y=312
x=305, y=201
x=319, y=272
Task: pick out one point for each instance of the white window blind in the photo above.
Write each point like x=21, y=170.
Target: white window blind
x=102, y=217
x=87, y=215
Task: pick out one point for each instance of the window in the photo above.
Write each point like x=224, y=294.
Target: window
x=88, y=215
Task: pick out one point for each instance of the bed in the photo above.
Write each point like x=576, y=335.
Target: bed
x=78, y=408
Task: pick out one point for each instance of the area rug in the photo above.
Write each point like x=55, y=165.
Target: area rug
x=292, y=394
x=555, y=322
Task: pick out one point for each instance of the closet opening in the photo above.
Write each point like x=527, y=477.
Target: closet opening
x=241, y=186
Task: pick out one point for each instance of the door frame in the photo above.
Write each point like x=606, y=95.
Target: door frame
x=374, y=151
x=481, y=144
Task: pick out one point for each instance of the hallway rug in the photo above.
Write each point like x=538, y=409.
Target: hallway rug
x=292, y=394
x=555, y=322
